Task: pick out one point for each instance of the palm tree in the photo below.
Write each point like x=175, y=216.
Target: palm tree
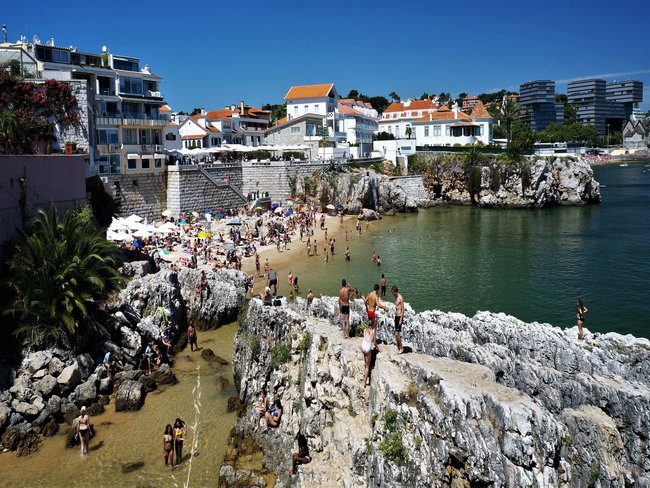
x=510, y=111
x=8, y=127
x=60, y=272
x=394, y=96
x=408, y=132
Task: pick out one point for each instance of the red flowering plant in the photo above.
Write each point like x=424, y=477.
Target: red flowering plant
x=36, y=108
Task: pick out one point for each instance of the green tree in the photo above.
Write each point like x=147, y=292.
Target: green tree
x=462, y=95
x=8, y=127
x=195, y=111
x=394, y=96
x=353, y=94
x=59, y=273
x=522, y=134
x=424, y=96
x=383, y=136
x=443, y=98
x=510, y=111
x=378, y=103
x=408, y=132
x=278, y=111
x=570, y=114
x=561, y=98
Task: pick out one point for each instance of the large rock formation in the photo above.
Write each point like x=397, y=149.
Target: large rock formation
x=50, y=386
x=543, y=182
x=482, y=401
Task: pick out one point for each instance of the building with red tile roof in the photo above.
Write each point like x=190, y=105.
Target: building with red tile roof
x=452, y=127
x=398, y=116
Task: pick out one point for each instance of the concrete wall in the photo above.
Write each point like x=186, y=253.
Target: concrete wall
x=412, y=185
x=189, y=189
x=274, y=177
x=139, y=193
x=28, y=183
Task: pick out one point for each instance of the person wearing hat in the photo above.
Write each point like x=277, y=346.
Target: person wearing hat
x=83, y=430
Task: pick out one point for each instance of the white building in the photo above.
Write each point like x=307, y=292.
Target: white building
x=636, y=134
x=171, y=136
x=358, y=120
x=231, y=125
x=399, y=116
x=445, y=127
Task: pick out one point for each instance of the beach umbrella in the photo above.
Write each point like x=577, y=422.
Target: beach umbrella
x=234, y=222
x=339, y=207
x=330, y=206
x=203, y=235
x=289, y=212
x=207, y=211
x=133, y=218
x=166, y=213
x=220, y=215
x=278, y=210
x=196, y=215
x=229, y=247
x=275, y=204
x=182, y=222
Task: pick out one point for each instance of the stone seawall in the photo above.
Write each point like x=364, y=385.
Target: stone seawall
x=189, y=189
x=138, y=193
x=274, y=177
x=413, y=186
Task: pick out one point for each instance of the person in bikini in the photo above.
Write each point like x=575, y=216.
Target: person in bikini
x=581, y=311
x=300, y=457
x=273, y=417
x=344, y=307
x=180, y=430
x=168, y=447
x=372, y=302
x=260, y=409
x=366, y=349
x=83, y=430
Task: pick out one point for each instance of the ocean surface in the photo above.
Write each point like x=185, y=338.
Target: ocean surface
x=532, y=264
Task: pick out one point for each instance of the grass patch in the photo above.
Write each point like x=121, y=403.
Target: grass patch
x=241, y=316
x=411, y=393
x=594, y=473
x=305, y=342
x=392, y=445
x=253, y=342
x=368, y=445
x=280, y=354
x=373, y=419
x=351, y=410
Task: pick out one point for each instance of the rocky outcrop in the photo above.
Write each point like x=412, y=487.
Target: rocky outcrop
x=533, y=183
x=50, y=386
x=481, y=401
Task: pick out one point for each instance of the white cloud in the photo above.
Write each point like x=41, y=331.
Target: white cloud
x=606, y=75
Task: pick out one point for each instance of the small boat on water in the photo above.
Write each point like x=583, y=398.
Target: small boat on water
x=623, y=165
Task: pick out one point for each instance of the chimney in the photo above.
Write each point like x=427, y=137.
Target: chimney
x=4, y=33
x=202, y=112
x=455, y=110
x=242, y=110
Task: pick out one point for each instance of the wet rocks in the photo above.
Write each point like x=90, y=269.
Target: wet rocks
x=209, y=356
x=130, y=396
x=164, y=375
x=69, y=378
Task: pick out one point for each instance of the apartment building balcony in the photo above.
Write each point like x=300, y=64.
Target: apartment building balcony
x=138, y=119
x=109, y=148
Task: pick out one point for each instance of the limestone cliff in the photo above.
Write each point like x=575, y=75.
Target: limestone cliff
x=482, y=401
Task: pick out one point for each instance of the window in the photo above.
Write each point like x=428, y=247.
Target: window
x=436, y=131
x=146, y=163
x=129, y=136
x=44, y=53
x=170, y=136
x=144, y=136
x=426, y=131
x=295, y=130
x=157, y=163
x=132, y=164
x=306, y=108
x=156, y=136
x=107, y=136
x=316, y=108
x=295, y=109
x=446, y=130
x=125, y=64
x=131, y=86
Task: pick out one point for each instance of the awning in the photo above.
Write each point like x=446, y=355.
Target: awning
x=158, y=155
x=133, y=156
x=465, y=124
x=147, y=156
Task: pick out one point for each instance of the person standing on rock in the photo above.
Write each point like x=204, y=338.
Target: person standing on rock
x=204, y=286
x=272, y=281
x=191, y=337
x=109, y=363
x=257, y=265
x=344, y=307
x=180, y=430
x=148, y=353
x=266, y=267
x=399, y=318
x=310, y=298
x=83, y=430
x=582, y=310
x=372, y=302
x=383, y=286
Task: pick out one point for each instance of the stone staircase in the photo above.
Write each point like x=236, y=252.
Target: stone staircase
x=222, y=184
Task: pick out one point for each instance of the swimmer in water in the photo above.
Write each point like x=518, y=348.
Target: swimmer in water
x=168, y=447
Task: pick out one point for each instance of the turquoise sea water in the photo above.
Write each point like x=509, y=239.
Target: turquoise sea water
x=533, y=264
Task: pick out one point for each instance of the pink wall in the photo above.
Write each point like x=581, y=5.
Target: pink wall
x=48, y=179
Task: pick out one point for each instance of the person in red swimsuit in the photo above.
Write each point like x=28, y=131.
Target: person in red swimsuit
x=372, y=302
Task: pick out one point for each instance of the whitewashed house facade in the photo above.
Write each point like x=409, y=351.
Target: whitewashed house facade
x=451, y=127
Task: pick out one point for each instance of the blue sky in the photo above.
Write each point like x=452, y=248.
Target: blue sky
x=220, y=52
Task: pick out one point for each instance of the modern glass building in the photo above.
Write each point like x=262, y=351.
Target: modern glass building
x=538, y=107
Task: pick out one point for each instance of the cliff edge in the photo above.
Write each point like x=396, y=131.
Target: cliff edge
x=481, y=401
